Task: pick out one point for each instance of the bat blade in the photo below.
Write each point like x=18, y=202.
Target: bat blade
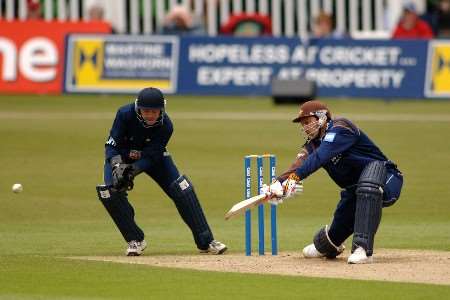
x=245, y=205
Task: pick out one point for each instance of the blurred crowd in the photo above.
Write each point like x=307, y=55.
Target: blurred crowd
x=182, y=20
x=434, y=23
x=35, y=10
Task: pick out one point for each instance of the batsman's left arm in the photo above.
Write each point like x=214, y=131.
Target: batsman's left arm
x=301, y=157
x=283, y=186
x=335, y=142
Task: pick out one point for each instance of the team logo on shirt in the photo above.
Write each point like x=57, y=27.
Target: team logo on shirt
x=329, y=137
x=111, y=141
x=336, y=159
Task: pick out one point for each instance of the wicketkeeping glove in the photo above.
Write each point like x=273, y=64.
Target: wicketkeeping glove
x=122, y=174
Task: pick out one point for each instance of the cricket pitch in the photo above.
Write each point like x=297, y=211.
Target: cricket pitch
x=416, y=266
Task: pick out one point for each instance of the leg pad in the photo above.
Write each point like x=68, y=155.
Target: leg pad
x=324, y=245
x=369, y=201
x=183, y=194
x=121, y=211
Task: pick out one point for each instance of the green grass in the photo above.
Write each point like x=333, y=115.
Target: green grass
x=53, y=278
x=57, y=154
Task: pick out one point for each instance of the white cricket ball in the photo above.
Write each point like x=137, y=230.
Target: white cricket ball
x=17, y=188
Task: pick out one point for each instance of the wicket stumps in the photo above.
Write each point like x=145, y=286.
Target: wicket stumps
x=273, y=208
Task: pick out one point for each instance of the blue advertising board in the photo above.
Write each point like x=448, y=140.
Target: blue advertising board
x=353, y=68
x=247, y=66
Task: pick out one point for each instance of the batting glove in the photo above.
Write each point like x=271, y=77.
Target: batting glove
x=276, y=200
x=299, y=187
x=292, y=185
x=273, y=190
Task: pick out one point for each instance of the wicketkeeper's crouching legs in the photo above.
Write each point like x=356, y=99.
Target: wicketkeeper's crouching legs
x=181, y=191
x=121, y=211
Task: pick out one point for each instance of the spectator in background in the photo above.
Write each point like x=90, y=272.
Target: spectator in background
x=411, y=26
x=180, y=21
x=442, y=19
x=247, y=25
x=34, y=11
x=96, y=12
x=323, y=27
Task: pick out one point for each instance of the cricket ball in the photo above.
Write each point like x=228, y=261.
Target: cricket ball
x=17, y=188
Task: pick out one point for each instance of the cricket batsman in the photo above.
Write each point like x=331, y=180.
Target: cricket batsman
x=368, y=180
x=137, y=144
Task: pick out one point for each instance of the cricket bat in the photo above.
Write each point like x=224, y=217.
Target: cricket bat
x=244, y=205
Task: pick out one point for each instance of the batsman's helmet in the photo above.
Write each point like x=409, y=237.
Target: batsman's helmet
x=315, y=109
x=150, y=98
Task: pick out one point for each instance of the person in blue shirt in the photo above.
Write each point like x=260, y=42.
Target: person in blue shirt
x=368, y=180
x=137, y=144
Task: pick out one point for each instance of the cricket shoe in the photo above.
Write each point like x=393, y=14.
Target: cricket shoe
x=359, y=256
x=215, y=247
x=310, y=251
x=136, y=248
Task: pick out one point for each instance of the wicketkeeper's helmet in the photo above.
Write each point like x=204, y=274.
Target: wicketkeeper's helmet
x=150, y=98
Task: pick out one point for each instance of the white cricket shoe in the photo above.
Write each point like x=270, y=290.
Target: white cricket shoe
x=310, y=251
x=359, y=256
x=215, y=247
x=136, y=248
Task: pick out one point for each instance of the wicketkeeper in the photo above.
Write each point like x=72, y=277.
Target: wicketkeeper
x=137, y=144
x=368, y=181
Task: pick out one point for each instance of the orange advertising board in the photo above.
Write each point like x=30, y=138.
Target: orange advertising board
x=32, y=54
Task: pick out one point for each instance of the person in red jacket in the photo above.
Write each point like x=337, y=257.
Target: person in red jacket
x=247, y=25
x=411, y=26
